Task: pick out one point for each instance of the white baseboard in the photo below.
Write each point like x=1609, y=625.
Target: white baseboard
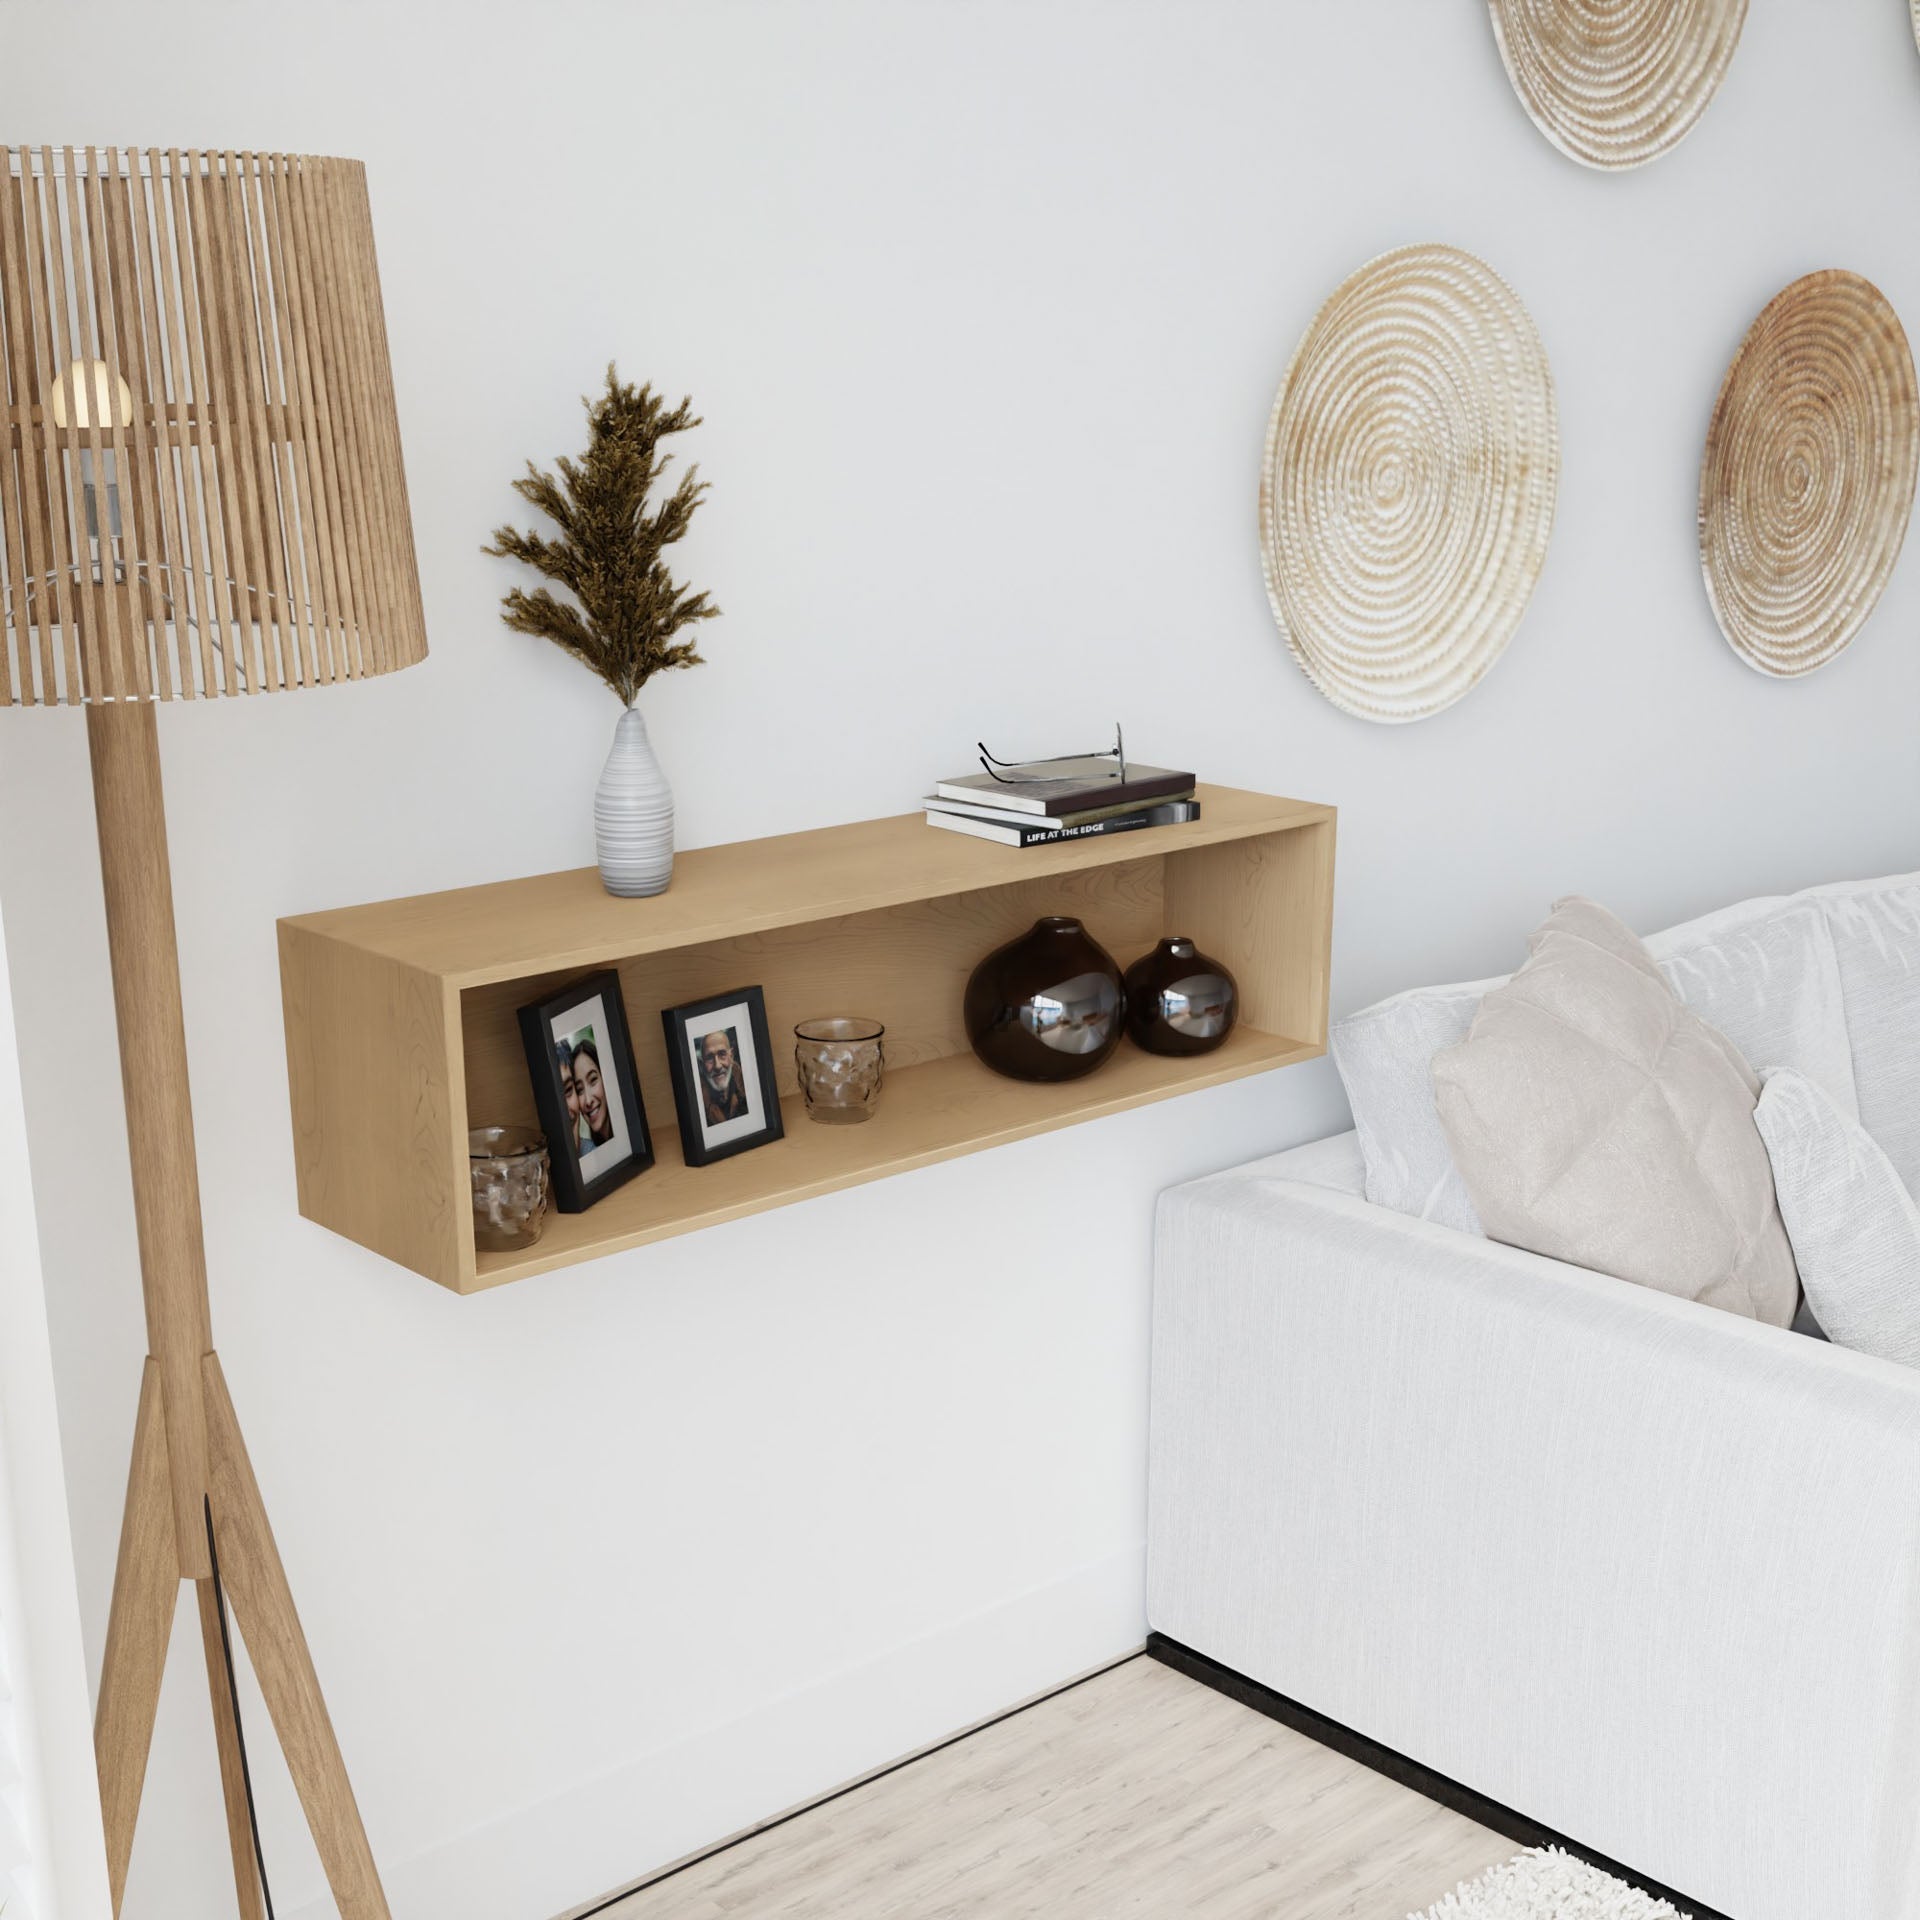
x=675, y=1801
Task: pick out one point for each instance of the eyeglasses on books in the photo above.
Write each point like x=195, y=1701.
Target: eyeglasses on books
x=1011, y=772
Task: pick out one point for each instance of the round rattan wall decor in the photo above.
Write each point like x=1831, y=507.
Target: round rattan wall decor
x=1407, y=490
x=1616, y=83
x=1806, y=485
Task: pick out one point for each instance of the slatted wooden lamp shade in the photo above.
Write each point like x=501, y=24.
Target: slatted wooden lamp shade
x=194, y=346
x=201, y=494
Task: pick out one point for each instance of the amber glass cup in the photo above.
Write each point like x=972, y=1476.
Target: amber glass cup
x=509, y=1186
x=841, y=1063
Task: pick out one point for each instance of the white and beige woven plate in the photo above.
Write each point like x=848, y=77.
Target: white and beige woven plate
x=1806, y=484
x=1616, y=83
x=1408, y=485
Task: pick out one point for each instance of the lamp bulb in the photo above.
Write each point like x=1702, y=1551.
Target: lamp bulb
x=85, y=394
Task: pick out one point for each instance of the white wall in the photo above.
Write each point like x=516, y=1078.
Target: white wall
x=985, y=304
x=53, y=1860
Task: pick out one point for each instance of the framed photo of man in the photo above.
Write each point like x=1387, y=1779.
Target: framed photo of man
x=585, y=1090
x=722, y=1067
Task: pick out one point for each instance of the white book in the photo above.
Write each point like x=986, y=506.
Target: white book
x=1031, y=832
x=981, y=810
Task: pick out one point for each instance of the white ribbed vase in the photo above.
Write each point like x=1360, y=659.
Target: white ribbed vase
x=633, y=815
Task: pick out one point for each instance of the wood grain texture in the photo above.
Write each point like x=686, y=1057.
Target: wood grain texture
x=376, y=1084
x=401, y=1029
x=1408, y=486
x=1265, y=908
x=1616, y=83
x=226, y=1736
x=256, y=1583
x=146, y=1590
x=567, y=922
x=1807, y=480
x=131, y=812
x=1136, y=1793
x=249, y=434
x=906, y=966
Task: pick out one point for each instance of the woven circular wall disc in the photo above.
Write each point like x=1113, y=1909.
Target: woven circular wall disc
x=1616, y=83
x=1408, y=485
x=1806, y=485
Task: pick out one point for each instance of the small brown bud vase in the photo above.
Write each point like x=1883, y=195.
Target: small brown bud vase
x=1179, y=1001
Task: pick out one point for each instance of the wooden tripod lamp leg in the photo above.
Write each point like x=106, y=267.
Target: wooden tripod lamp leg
x=146, y=1588
x=251, y=1572
x=233, y=1767
x=187, y=1447
x=138, y=881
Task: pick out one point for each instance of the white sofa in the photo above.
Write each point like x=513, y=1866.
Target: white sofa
x=1642, y=1571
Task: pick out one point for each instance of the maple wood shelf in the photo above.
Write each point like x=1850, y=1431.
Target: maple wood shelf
x=401, y=1029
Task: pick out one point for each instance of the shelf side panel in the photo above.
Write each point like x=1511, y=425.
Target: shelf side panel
x=1265, y=907
x=378, y=1145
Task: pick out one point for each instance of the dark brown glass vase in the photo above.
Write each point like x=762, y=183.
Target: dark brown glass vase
x=1179, y=1001
x=1048, y=1006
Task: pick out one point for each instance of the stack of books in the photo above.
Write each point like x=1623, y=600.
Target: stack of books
x=1054, y=800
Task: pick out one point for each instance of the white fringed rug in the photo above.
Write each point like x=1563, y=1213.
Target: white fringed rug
x=1548, y=1885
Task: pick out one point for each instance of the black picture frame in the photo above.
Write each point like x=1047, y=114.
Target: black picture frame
x=702, y=1138
x=583, y=1174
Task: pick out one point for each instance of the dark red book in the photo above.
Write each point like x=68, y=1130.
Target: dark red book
x=1068, y=786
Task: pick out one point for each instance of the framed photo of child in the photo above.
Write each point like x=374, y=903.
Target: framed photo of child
x=721, y=1060
x=586, y=1091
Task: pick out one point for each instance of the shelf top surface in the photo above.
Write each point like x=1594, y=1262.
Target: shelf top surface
x=552, y=922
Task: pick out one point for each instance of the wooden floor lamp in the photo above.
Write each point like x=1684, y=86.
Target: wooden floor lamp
x=201, y=493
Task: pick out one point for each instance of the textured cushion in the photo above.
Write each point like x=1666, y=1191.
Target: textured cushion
x=1854, y=1226
x=1595, y=1119
x=1768, y=980
x=1764, y=973
x=1875, y=928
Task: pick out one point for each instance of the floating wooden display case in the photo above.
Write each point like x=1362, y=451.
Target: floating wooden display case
x=401, y=1031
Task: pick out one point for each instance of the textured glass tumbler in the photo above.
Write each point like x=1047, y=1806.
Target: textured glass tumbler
x=840, y=1066
x=509, y=1167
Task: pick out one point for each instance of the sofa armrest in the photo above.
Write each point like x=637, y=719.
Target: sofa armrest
x=1640, y=1569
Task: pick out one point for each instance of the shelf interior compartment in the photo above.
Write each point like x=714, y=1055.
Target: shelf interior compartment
x=402, y=1027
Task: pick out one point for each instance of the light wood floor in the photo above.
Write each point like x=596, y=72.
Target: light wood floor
x=1137, y=1793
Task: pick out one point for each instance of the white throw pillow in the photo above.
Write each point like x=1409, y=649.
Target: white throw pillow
x=1763, y=973
x=1770, y=981
x=1875, y=927
x=1384, y=1055
x=1595, y=1119
x=1854, y=1226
